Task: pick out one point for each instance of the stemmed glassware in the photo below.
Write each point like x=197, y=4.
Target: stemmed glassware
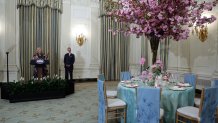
x=174, y=78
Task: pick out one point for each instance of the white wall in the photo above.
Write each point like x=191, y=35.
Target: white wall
x=2, y=38
x=195, y=56
x=9, y=39
x=77, y=15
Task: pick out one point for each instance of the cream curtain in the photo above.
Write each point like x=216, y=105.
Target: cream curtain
x=114, y=49
x=164, y=52
x=144, y=50
x=39, y=26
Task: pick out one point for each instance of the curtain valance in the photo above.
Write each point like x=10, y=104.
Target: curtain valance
x=54, y=4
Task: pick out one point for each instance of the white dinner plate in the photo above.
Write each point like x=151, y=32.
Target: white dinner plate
x=177, y=88
x=131, y=85
x=126, y=81
x=122, y=81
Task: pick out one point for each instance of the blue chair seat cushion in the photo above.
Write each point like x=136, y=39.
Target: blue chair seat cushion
x=189, y=111
x=115, y=103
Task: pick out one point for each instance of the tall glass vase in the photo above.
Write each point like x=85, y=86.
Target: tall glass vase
x=154, y=43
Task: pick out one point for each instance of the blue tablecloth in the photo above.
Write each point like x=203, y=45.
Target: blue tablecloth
x=170, y=101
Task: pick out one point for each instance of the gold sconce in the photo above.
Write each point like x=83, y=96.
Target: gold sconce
x=80, y=39
x=201, y=32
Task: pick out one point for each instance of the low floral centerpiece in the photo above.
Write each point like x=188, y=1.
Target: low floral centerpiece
x=151, y=74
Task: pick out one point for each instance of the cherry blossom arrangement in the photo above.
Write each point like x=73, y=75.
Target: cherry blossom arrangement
x=160, y=19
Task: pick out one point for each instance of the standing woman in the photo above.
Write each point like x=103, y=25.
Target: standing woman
x=69, y=60
x=40, y=55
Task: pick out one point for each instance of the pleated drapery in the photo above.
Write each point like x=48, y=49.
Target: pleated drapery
x=39, y=26
x=164, y=52
x=144, y=50
x=114, y=49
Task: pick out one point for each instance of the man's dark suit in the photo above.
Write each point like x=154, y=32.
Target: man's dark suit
x=69, y=60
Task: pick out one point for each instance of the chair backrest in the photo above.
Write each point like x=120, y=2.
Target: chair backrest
x=214, y=83
x=209, y=101
x=148, y=105
x=126, y=75
x=102, y=102
x=101, y=77
x=190, y=78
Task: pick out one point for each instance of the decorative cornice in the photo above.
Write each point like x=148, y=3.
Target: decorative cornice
x=54, y=4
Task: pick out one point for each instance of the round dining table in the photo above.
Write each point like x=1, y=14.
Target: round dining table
x=171, y=100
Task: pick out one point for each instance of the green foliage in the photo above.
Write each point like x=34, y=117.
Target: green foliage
x=36, y=86
x=151, y=83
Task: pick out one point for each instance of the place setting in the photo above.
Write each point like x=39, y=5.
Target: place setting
x=177, y=84
x=129, y=83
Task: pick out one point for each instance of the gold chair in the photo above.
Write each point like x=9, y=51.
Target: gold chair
x=110, y=93
x=114, y=108
x=198, y=100
x=193, y=113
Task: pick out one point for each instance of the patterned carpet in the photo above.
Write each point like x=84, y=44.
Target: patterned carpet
x=81, y=107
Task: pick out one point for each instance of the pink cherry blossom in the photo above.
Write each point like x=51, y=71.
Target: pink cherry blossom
x=142, y=61
x=165, y=18
x=158, y=61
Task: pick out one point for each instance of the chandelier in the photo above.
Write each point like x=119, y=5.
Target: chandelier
x=201, y=32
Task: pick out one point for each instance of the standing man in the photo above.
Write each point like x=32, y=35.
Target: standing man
x=69, y=60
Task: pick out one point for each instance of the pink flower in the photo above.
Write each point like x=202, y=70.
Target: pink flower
x=170, y=9
x=160, y=16
x=153, y=66
x=158, y=61
x=150, y=76
x=142, y=61
x=165, y=78
x=167, y=18
x=145, y=73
